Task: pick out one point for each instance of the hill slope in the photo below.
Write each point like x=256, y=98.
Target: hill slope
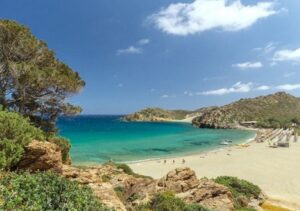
x=276, y=110
x=157, y=114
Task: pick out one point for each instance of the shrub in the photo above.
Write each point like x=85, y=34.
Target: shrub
x=195, y=207
x=126, y=169
x=45, y=191
x=63, y=144
x=240, y=189
x=16, y=133
x=121, y=193
x=168, y=202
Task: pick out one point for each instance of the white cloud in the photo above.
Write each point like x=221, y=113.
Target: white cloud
x=268, y=48
x=263, y=88
x=188, y=93
x=288, y=87
x=143, y=41
x=248, y=65
x=130, y=50
x=202, y=15
x=287, y=55
x=239, y=87
x=287, y=75
x=168, y=96
x=120, y=85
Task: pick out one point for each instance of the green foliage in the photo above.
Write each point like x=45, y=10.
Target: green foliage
x=149, y=113
x=106, y=178
x=63, y=144
x=246, y=209
x=121, y=193
x=241, y=189
x=271, y=111
x=168, y=202
x=16, y=133
x=33, y=81
x=126, y=169
x=45, y=191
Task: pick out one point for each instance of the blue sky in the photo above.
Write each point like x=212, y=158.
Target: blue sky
x=170, y=54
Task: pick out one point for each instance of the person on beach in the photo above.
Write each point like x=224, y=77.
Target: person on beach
x=173, y=161
x=183, y=161
x=165, y=161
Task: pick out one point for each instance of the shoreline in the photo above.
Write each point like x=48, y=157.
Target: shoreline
x=276, y=171
x=219, y=148
x=247, y=141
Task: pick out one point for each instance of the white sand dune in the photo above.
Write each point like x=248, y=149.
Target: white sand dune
x=276, y=171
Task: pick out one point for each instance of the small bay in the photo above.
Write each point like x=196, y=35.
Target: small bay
x=100, y=138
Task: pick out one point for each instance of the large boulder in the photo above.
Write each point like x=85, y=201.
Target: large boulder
x=93, y=177
x=211, y=195
x=184, y=182
x=179, y=180
x=41, y=156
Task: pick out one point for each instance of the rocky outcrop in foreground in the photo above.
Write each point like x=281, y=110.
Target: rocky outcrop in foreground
x=41, y=156
x=184, y=183
x=125, y=191
x=122, y=191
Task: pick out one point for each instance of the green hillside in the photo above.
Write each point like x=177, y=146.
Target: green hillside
x=157, y=114
x=276, y=110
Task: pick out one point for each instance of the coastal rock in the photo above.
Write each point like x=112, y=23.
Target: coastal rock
x=41, y=156
x=211, y=195
x=105, y=192
x=135, y=190
x=184, y=182
x=179, y=180
x=93, y=177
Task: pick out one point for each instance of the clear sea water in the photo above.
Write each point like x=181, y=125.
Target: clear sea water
x=100, y=138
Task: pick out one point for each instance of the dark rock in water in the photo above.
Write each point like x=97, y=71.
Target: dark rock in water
x=200, y=143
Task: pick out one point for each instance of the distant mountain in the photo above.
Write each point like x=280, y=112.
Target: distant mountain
x=275, y=110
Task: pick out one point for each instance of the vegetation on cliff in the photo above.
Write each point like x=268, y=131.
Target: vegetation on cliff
x=271, y=111
x=16, y=133
x=167, y=201
x=242, y=190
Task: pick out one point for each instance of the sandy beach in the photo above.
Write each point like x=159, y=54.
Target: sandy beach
x=275, y=170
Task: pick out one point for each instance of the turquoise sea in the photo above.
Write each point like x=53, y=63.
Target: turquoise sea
x=100, y=138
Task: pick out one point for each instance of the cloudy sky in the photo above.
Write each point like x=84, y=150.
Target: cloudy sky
x=169, y=53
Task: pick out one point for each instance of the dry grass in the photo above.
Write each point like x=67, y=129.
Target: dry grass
x=267, y=206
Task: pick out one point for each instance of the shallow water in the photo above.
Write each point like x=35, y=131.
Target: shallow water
x=99, y=138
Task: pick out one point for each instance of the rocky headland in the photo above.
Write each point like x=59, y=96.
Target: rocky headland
x=270, y=111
